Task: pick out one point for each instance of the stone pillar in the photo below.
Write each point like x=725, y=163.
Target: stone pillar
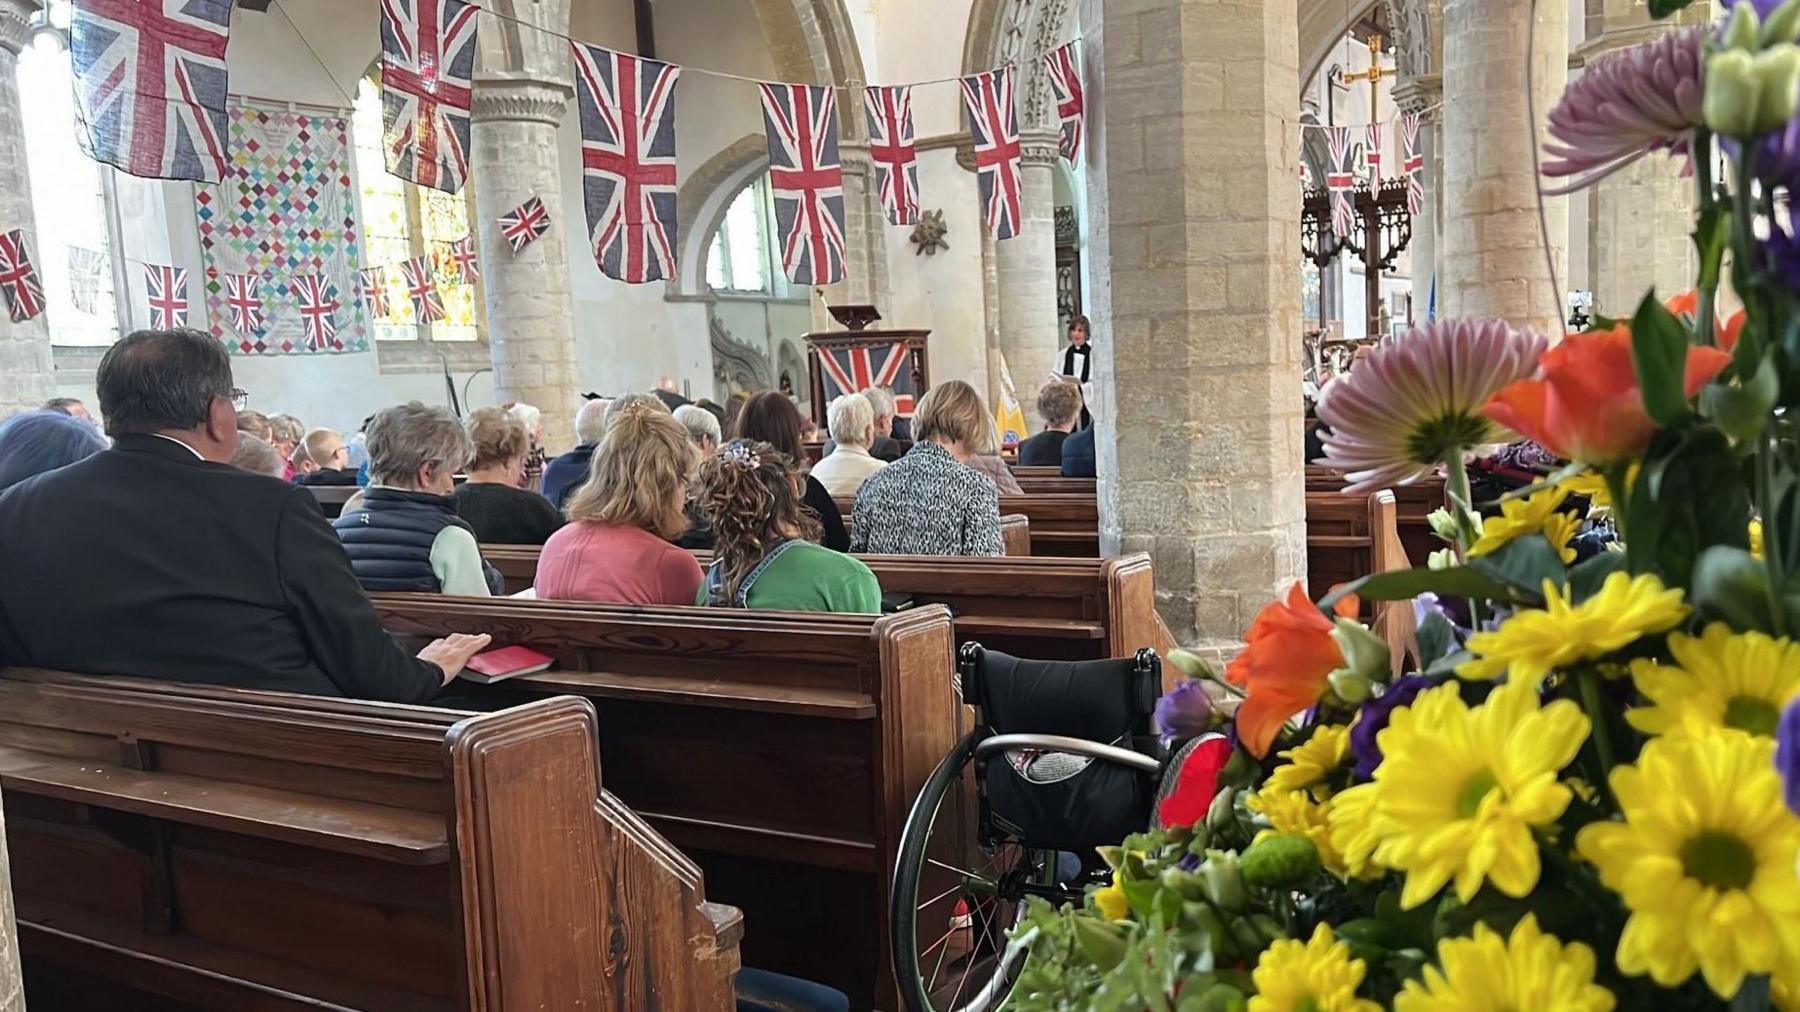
x=1194, y=209
x=27, y=373
x=530, y=313
x=12, y=982
x=1492, y=262
x=1422, y=95
x=865, y=250
x=1026, y=266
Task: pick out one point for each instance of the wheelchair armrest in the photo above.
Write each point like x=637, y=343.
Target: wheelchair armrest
x=1076, y=746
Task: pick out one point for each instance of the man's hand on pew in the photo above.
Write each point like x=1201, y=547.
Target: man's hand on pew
x=454, y=651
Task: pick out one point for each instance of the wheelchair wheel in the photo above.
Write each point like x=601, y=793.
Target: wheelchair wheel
x=954, y=900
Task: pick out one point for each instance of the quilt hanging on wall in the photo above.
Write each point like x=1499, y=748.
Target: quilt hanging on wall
x=285, y=209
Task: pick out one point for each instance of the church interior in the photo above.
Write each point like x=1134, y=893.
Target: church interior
x=1256, y=504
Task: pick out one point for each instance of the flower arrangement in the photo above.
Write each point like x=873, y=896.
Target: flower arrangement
x=1581, y=791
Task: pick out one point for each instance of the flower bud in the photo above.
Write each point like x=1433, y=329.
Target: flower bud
x=1366, y=660
x=1443, y=558
x=1222, y=879
x=1443, y=524
x=1783, y=25
x=1732, y=86
x=1350, y=686
x=1741, y=30
x=1280, y=860
x=1192, y=664
x=1778, y=86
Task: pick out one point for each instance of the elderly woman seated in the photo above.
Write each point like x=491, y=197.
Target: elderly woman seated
x=1059, y=402
x=38, y=441
x=850, y=463
x=258, y=457
x=702, y=426
x=930, y=502
x=492, y=501
x=405, y=535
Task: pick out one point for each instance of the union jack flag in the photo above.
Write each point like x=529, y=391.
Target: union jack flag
x=1065, y=80
x=807, y=180
x=1340, y=178
x=627, y=109
x=151, y=83
x=421, y=288
x=167, y=290
x=1372, y=154
x=318, y=303
x=243, y=300
x=849, y=370
x=374, y=288
x=891, y=148
x=1412, y=162
x=524, y=224
x=994, y=126
x=462, y=260
x=18, y=279
x=427, y=71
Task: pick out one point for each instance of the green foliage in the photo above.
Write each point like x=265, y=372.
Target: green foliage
x=1689, y=495
x=1659, y=345
x=1524, y=564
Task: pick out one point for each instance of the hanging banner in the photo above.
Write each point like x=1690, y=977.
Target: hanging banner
x=18, y=278
x=891, y=148
x=427, y=82
x=1413, y=163
x=461, y=260
x=525, y=224
x=1065, y=81
x=421, y=288
x=1340, y=179
x=806, y=181
x=150, y=85
x=627, y=108
x=165, y=288
x=318, y=302
x=243, y=303
x=994, y=127
x=1372, y=155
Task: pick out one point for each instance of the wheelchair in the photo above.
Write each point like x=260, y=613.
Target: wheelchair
x=1063, y=758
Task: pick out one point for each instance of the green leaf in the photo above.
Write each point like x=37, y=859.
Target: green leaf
x=1524, y=563
x=1731, y=586
x=1712, y=233
x=1659, y=352
x=1664, y=8
x=1447, y=664
x=1586, y=578
x=1743, y=411
x=1690, y=495
x=1406, y=584
x=1436, y=638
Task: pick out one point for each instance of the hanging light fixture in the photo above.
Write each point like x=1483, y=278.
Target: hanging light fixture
x=46, y=36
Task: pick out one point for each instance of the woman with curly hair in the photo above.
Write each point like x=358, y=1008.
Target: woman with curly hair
x=765, y=555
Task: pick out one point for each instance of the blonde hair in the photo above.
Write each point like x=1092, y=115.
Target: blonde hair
x=256, y=456
x=637, y=473
x=751, y=494
x=953, y=413
x=498, y=436
x=320, y=444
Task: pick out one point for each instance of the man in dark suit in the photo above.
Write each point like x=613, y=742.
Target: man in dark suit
x=159, y=559
x=1078, y=455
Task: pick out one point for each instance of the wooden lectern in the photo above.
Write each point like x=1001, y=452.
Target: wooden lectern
x=845, y=361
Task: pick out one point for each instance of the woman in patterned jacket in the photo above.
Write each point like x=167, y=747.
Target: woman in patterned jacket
x=930, y=502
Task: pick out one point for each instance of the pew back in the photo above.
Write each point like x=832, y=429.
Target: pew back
x=1349, y=537
x=1063, y=525
x=1413, y=504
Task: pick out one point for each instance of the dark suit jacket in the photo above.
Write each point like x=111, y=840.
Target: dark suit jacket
x=1043, y=449
x=1078, y=455
x=145, y=560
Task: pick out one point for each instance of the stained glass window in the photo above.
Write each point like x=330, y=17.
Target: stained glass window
x=742, y=256
x=402, y=220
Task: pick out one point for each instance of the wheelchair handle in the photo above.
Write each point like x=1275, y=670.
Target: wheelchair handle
x=1077, y=746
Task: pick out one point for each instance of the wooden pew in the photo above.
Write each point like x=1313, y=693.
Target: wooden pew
x=197, y=847
x=1413, y=504
x=331, y=498
x=1063, y=525
x=1349, y=537
x=781, y=751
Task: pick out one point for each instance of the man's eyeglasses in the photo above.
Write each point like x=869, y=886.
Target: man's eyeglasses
x=240, y=399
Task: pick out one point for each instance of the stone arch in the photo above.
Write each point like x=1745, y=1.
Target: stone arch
x=814, y=41
x=1322, y=25
x=708, y=191
x=1014, y=32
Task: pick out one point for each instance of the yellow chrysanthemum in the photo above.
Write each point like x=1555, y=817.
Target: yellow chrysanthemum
x=1312, y=976
x=1533, y=643
x=1724, y=680
x=1528, y=970
x=1112, y=902
x=1459, y=790
x=1592, y=485
x=1312, y=764
x=1704, y=861
x=1534, y=514
x=1296, y=813
x=1353, y=837
x=1756, y=538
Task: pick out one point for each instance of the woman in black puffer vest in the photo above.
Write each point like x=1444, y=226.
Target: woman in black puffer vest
x=406, y=534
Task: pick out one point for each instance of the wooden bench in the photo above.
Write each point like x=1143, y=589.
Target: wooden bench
x=781, y=751
x=331, y=498
x=1039, y=480
x=1412, y=503
x=1063, y=525
x=195, y=847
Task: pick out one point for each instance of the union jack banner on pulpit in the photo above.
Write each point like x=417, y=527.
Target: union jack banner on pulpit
x=1372, y=156
x=849, y=370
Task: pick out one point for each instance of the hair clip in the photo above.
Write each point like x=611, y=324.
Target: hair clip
x=741, y=454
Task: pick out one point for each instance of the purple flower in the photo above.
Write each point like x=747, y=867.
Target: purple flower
x=1374, y=718
x=1188, y=862
x=1184, y=711
x=1624, y=106
x=1782, y=248
x=1787, y=755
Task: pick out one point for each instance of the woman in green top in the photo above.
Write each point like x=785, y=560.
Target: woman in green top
x=765, y=555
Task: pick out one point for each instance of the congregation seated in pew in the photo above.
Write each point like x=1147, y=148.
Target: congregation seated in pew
x=37, y=441
x=257, y=457
x=930, y=502
x=324, y=459
x=770, y=417
x=617, y=545
x=565, y=473
x=492, y=501
x=1059, y=404
x=405, y=534
x=843, y=470
x=702, y=426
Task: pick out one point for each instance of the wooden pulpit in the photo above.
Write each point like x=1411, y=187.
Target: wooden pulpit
x=849, y=360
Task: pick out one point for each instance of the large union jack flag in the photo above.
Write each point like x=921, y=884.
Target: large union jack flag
x=1065, y=81
x=151, y=83
x=319, y=304
x=427, y=71
x=166, y=288
x=994, y=126
x=848, y=370
x=807, y=180
x=891, y=147
x=243, y=302
x=1412, y=163
x=421, y=288
x=627, y=109
x=18, y=279
x=1340, y=177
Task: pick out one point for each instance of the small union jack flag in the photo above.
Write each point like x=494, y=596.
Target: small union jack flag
x=421, y=288
x=1412, y=163
x=319, y=304
x=892, y=149
x=627, y=107
x=151, y=84
x=167, y=289
x=849, y=370
x=374, y=290
x=18, y=278
x=1372, y=155
x=1340, y=179
x=427, y=81
x=525, y=224
x=1071, y=104
x=994, y=126
x=243, y=300
x=806, y=180
x=462, y=261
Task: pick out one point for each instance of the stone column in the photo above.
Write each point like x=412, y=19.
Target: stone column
x=1026, y=265
x=865, y=250
x=1492, y=261
x=1195, y=210
x=1422, y=95
x=27, y=373
x=530, y=313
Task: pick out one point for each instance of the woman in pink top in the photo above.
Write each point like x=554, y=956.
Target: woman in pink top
x=615, y=547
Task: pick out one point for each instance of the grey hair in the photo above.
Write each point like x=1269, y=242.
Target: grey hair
x=881, y=401
x=256, y=456
x=618, y=406
x=157, y=380
x=287, y=428
x=532, y=417
x=852, y=420
x=590, y=421
x=700, y=423
x=405, y=438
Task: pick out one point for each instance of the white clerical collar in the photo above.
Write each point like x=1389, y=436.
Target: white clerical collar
x=181, y=444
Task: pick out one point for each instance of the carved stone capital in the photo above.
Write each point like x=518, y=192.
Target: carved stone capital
x=1421, y=95
x=526, y=99
x=1614, y=39
x=1039, y=147
x=15, y=24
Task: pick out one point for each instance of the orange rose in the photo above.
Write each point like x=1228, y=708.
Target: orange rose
x=1587, y=405
x=1687, y=306
x=1287, y=654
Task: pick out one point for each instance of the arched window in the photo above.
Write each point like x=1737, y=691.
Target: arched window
x=70, y=203
x=402, y=220
x=742, y=257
